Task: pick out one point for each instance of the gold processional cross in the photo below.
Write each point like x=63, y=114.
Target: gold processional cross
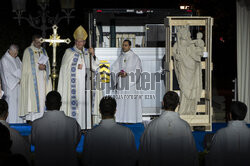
x=54, y=40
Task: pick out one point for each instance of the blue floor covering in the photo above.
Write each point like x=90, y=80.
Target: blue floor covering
x=137, y=129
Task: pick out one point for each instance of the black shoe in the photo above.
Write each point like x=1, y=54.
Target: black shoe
x=199, y=128
x=29, y=122
x=84, y=131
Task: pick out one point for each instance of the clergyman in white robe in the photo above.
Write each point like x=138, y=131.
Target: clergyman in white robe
x=55, y=137
x=35, y=83
x=168, y=140
x=74, y=85
x=74, y=81
x=231, y=145
x=109, y=144
x=129, y=104
x=11, y=69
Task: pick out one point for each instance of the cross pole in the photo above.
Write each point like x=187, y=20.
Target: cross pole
x=54, y=40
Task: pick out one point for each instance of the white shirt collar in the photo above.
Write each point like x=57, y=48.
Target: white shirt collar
x=34, y=48
x=79, y=51
x=54, y=112
x=237, y=123
x=8, y=55
x=169, y=113
x=130, y=52
x=107, y=122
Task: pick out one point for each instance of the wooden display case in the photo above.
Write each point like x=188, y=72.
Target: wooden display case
x=204, y=110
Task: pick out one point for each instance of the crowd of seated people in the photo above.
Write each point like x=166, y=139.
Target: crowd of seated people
x=167, y=140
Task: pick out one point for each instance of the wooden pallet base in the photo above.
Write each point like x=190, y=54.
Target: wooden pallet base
x=198, y=120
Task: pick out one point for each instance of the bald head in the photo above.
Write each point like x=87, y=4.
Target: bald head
x=13, y=50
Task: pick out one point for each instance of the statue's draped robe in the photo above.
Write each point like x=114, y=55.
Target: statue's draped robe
x=11, y=71
x=187, y=65
x=74, y=86
x=35, y=84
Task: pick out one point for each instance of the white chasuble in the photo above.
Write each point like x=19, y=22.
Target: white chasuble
x=35, y=84
x=73, y=88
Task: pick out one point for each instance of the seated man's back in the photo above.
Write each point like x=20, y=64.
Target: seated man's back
x=231, y=145
x=55, y=137
x=168, y=140
x=19, y=144
x=109, y=143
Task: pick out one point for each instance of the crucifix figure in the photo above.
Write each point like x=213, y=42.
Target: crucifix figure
x=54, y=40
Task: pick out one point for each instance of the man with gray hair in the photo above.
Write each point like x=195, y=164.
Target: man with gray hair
x=35, y=81
x=11, y=69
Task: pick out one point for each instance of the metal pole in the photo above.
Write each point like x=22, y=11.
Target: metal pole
x=54, y=74
x=90, y=64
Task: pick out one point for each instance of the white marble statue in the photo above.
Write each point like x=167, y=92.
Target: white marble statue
x=187, y=55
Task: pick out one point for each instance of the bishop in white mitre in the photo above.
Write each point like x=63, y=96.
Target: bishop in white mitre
x=11, y=69
x=74, y=82
x=35, y=81
x=127, y=69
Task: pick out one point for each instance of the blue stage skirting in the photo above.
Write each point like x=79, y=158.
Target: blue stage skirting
x=137, y=129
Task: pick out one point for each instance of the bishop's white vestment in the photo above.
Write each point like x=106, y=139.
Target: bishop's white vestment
x=168, y=140
x=35, y=84
x=74, y=85
x=55, y=137
x=230, y=145
x=129, y=104
x=109, y=144
x=11, y=70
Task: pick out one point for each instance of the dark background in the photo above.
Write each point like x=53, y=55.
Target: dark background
x=224, y=30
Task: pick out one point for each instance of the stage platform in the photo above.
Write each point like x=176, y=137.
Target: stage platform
x=137, y=129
